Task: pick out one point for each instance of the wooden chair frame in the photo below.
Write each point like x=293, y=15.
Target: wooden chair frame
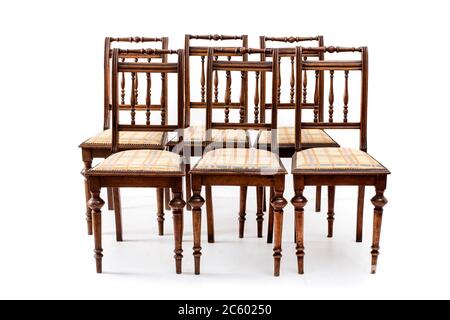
x=89, y=152
x=245, y=178
x=227, y=105
x=332, y=178
x=97, y=180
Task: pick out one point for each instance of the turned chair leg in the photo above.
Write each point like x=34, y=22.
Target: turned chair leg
x=259, y=210
x=188, y=186
x=278, y=203
x=196, y=203
x=299, y=202
x=88, y=210
x=379, y=201
x=270, y=220
x=96, y=203
x=360, y=214
x=117, y=213
x=242, y=207
x=166, y=198
x=177, y=204
x=110, y=197
x=209, y=214
x=318, y=198
x=87, y=166
x=264, y=200
x=160, y=210
x=330, y=214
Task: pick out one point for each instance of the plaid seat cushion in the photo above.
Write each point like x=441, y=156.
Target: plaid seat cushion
x=240, y=159
x=128, y=138
x=335, y=159
x=286, y=136
x=197, y=134
x=140, y=161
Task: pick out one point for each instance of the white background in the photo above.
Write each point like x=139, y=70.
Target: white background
x=51, y=93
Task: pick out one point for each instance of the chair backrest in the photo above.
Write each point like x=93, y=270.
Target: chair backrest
x=134, y=68
x=109, y=42
x=202, y=51
x=287, y=52
x=257, y=67
x=331, y=66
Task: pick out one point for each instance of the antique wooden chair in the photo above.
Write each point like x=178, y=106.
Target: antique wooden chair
x=99, y=146
x=313, y=138
x=139, y=167
x=336, y=166
x=238, y=166
x=194, y=137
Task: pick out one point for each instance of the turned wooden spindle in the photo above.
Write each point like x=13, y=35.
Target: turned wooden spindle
x=241, y=100
x=177, y=204
x=136, y=87
x=379, y=201
x=316, y=98
x=133, y=98
x=346, y=97
x=331, y=97
x=299, y=202
x=96, y=203
x=163, y=99
x=148, y=100
x=202, y=80
x=228, y=95
x=122, y=87
x=216, y=83
x=196, y=203
x=292, y=80
x=305, y=83
x=279, y=80
x=278, y=203
x=256, y=97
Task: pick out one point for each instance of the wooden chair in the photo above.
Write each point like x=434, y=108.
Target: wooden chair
x=194, y=137
x=336, y=166
x=313, y=138
x=139, y=167
x=99, y=146
x=239, y=166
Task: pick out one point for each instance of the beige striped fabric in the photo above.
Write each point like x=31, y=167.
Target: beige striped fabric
x=286, y=135
x=238, y=159
x=148, y=138
x=336, y=159
x=141, y=161
x=198, y=134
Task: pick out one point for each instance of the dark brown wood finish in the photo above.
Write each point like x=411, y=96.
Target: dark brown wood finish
x=189, y=148
x=332, y=178
x=243, y=178
x=146, y=178
x=89, y=152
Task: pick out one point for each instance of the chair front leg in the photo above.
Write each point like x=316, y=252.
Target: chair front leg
x=242, y=207
x=330, y=214
x=197, y=202
x=110, y=198
x=259, y=210
x=299, y=202
x=160, y=209
x=177, y=204
x=96, y=203
x=209, y=214
x=360, y=214
x=379, y=201
x=318, y=198
x=278, y=203
x=117, y=213
x=87, y=166
x=270, y=220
